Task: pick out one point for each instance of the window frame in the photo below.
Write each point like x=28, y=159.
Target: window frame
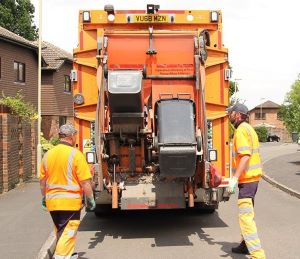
x=278, y=116
x=19, y=78
x=64, y=118
x=67, y=79
x=260, y=116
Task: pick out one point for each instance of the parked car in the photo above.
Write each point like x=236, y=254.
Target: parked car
x=272, y=138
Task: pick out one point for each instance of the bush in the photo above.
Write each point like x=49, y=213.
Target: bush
x=48, y=144
x=262, y=133
x=54, y=141
x=19, y=107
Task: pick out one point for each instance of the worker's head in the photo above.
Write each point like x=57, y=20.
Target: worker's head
x=68, y=133
x=238, y=113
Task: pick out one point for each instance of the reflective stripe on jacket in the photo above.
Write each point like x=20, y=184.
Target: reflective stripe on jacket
x=245, y=142
x=64, y=167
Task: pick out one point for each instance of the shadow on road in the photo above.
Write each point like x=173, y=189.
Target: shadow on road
x=226, y=248
x=159, y=225
x=295, y=162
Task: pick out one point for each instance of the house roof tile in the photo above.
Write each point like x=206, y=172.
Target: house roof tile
x=266, y=104
x=54, y=56
x=12, y=37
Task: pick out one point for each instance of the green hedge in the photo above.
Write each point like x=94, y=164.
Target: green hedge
x=262, y=133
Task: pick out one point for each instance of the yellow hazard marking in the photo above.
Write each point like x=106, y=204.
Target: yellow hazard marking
x=87, y=144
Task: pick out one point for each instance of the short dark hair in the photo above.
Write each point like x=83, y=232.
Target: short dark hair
x=244, y=117
x=61, y=136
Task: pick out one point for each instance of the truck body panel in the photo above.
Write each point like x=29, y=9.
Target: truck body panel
x=150, y=92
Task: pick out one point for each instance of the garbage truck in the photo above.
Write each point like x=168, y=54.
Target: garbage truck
x=150, y=92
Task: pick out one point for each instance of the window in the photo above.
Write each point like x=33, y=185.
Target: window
x=279, y=116
x=19, y=71
x=260, y=116
x=62, y=120
x=67, y=85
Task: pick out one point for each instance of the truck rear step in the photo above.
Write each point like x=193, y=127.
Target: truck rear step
x=161, y=195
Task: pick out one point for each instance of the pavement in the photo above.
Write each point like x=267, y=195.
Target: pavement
x=281, y=166
x=289, y=175
x=283, y=172
x=25, y=226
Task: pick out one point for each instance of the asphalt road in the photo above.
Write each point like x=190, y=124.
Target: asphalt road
x=24, y=226
x=181, y=234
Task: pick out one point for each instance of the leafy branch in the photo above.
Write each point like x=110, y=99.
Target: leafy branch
x=19, y=107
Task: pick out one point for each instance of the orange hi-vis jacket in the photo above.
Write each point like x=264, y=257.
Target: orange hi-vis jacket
x=245, y=142
x=64, y=167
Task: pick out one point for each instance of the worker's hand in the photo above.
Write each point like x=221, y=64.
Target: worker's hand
x=91, y=204
x=44, y=203
x=232, y=185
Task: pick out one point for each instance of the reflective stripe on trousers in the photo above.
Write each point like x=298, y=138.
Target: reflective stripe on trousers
x=66, y=243
x=248, y=228
x=62, y=257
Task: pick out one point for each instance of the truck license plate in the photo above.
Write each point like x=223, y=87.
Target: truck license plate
x=151, y=18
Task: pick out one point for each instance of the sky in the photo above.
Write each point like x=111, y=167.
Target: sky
x=263, y=38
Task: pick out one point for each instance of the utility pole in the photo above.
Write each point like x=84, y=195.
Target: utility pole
x=39, y=146
x=261, y=99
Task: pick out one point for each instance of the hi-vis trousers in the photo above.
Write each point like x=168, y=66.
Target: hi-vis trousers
x=248, y=228
x=66, y=226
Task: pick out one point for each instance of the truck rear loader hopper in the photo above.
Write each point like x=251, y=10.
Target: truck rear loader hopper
x=150, y=93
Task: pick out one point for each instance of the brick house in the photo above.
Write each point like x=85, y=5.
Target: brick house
x=18, y=71
x=57, y=98
x=266, y=114
x=18, y=66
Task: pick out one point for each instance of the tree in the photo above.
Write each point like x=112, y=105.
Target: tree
x=17, y=17
x=290, y=110
x=232, y=88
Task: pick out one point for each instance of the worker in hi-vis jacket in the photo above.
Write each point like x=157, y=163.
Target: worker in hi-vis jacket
x=64, y=177
x=247, y=171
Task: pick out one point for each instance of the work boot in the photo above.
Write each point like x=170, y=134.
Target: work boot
x=241, y=249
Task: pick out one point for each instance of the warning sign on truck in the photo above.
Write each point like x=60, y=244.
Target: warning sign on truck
x=173, y=69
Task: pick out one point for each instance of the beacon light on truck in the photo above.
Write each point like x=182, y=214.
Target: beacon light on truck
x=214, y=16
x=110, y=12
x=152, y=9
x=86, y=16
